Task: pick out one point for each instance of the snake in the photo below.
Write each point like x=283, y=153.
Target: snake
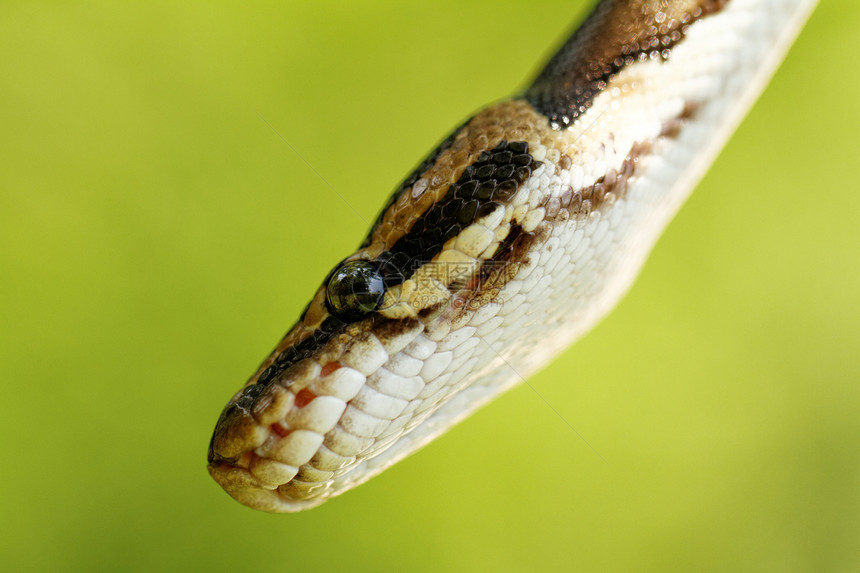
x=509, y=241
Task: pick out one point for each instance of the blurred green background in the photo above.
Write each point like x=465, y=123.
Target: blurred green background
x=158, y=238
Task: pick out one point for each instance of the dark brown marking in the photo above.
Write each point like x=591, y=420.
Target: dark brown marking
x=388, y=328
x=672, y=128
x=616, y=34
x=483, y=186
x=495, y=272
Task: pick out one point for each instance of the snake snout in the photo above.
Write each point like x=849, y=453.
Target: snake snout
x=269, y=432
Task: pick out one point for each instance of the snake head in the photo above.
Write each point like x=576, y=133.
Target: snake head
x=371, y=358
x=316, y=407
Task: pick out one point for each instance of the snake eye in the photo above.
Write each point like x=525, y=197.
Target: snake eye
x=354, y=290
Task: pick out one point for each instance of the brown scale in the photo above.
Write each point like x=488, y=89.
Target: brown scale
x=489, y=182
x=513, y=120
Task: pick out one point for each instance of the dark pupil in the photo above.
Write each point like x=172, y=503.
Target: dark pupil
x=354, y=290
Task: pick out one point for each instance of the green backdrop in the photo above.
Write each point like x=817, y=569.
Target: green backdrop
x=157, y=238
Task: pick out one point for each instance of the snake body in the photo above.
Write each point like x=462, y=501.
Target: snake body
x=509, y=241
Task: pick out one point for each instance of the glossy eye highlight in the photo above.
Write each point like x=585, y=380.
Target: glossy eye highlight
x=354, y=290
